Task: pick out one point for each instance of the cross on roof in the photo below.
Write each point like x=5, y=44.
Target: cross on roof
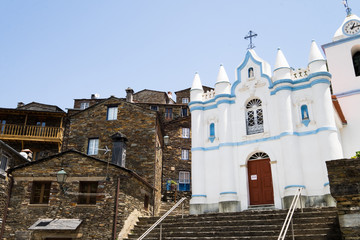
x=348, y=9
x=250, y=36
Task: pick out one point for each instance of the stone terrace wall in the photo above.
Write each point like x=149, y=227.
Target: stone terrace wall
x=344, y=176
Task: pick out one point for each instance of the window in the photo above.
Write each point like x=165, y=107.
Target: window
x=305, y=115
x=356, y=62
x=186, y=132
x=251, y=73
x=168, y=113
x=112, y=113
x=87, y=192
x=3, y=163
x=146, y=202
x=185, y=154
x=155, y=108
x=184, y=112
x=40, y=193
x=254, y=117
x=84, y=105
x=184, y=181
x=2, y=125
x=40, y=124
x=212, y=132
x=185, y=100
x=93, y=146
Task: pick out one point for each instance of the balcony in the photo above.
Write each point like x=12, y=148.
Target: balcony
x=31, y=133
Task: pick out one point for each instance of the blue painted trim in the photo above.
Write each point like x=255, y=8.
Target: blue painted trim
x=347, y=93
x=289, y=88
x=222, y=193
x=225, y=101
x=341, y=41
x=283, y=134
x=198, y=195
x=306, y=122
x=211, y=139
x=325, y=184
x=238, y=70
x=297, y=186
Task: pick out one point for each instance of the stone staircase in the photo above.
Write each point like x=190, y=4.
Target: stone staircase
x=312, y=224
x=165, y=206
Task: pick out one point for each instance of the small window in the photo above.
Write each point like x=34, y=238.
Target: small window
x=87, y=192
x=4, y=162
x=93, y=146
x=356, y=62
x=84, y=105
x=184, y=112
x=112, y=113
x=251, y=73
x=185, y=100
x=155, y=108
x=185, y=132
x=40, y=193
x=184, y=181
x=212, y=130
x=185, y=154
x=168, y=113
x=305, y=115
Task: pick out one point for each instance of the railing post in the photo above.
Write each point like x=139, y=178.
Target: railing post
x=301, y=204
x=160, y=232
x=182, y=210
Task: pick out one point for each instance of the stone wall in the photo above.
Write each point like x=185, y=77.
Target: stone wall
x=172, y=162
x=344, y=176
x=150, y=96
x=97, y=219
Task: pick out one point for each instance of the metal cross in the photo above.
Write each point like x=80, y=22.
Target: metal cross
x=348, y=9
x=251, y=35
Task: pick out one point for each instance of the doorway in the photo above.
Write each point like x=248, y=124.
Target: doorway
x=260, y=181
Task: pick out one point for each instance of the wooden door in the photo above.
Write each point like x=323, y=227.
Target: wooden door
x=260, y=182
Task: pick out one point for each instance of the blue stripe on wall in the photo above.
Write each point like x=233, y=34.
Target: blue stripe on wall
x=264, y=139
x=297, y=186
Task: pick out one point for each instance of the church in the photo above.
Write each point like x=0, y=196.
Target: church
x=257, y=140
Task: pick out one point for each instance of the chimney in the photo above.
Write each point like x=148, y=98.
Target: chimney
x=170, y=95
x=95, y=96
x=129, y=94
x=20, y=104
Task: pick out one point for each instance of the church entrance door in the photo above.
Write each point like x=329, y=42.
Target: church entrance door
x=260, y=182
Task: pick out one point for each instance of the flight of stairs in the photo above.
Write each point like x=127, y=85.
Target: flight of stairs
x=312, y=224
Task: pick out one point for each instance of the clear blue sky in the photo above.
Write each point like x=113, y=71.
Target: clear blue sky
x=53, y=51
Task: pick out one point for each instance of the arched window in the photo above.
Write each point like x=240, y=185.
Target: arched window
x=305, y=119
x=259, y=155
x=212, y=132
x=251, y=73
x=254, y=117
x=356, y=62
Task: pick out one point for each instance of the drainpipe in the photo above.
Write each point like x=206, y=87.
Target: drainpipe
x=6, y=206
x=116, y=207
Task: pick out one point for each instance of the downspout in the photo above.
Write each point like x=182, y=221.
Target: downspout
x=116, y=207
x=6, y=206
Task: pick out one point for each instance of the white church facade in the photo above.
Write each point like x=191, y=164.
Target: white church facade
x=257, y=140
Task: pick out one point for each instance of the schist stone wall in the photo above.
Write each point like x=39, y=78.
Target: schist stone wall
x=141, y=128
x=172, y=161
x=344, y=176
x=97, y=219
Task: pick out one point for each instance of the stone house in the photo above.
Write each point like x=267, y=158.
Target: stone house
x=8, y=159
x=34, y=126
x=93, y=202
x=122, y=133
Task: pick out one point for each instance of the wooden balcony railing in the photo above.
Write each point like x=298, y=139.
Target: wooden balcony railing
x=31, y=133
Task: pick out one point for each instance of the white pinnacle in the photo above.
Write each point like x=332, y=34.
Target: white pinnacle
x=196, y=82
x=222, y=76
x=315, y=53
x=281, y=61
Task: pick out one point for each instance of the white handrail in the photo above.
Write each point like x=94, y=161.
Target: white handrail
x=160, y=219
x=290, y=214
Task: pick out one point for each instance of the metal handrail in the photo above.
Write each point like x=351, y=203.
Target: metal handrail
x=290, y=214
x=160, y=219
